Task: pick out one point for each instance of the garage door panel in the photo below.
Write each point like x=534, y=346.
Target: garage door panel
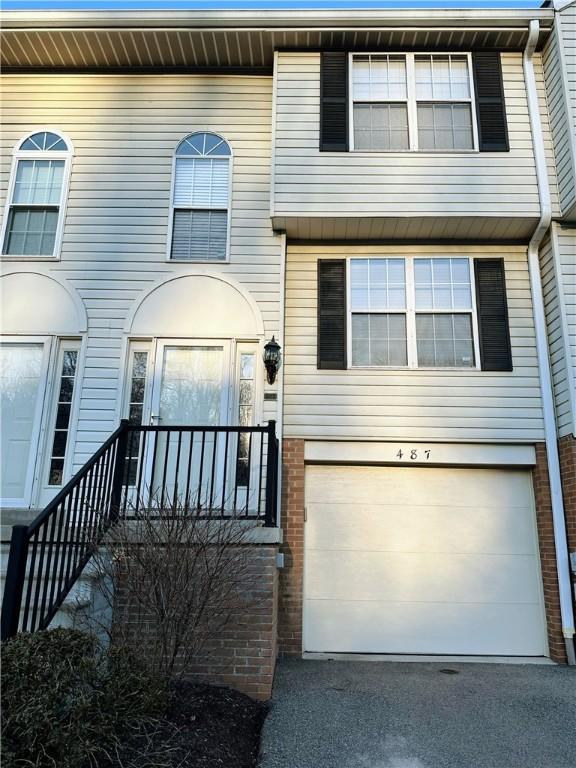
x=434, y=628
x=361, y=485
x=421, y=560
x=421, y=528
x=397, y=576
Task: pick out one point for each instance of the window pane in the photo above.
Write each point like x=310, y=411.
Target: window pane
x=377, y=284
x=444, y=340
x=442, y=284
x=38, y=182
x=135, y=412
x=245, y=415
x=63, y=410
x=445, y=126
x=381, y=127
x=459, y=77
x=45, y=141
x=442, y=77
x=379, y=339
x=199, y=235
x=379, y=78
x=31, y=232
x=203, y=144
x=201, y=182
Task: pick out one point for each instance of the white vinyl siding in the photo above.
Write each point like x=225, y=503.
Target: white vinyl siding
x=568, y=21
x=125, y=130
x=427, y=194
x=558, y=267
x=374, y=404
x=562, y=119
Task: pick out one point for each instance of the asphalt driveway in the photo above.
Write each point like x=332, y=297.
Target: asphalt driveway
x=354, y=714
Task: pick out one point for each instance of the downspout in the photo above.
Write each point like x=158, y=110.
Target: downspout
x=281, y=339
x=558, y=518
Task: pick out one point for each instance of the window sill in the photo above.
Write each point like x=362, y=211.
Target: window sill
x=197, y=261
x=406, y=369
x=11, y=257
x=423, y=152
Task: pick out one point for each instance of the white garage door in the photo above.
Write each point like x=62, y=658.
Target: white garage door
x=421, y=560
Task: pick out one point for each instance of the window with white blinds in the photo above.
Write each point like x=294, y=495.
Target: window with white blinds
x=36, y=197
x=201, y=199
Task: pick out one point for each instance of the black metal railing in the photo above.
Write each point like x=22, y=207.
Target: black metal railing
x=205, y=471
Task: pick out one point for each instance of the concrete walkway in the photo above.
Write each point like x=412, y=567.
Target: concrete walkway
x=354, y=714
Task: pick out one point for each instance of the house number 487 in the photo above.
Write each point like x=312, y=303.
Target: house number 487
x=413, y=455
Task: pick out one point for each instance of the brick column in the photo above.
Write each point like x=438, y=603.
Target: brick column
x=290, y=584
x=567, y=450
x=548, y=555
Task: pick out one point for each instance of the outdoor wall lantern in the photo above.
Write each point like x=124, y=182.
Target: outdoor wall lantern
x=272, y=359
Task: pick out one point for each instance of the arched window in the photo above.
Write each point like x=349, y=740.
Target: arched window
x=36, y=196
x=200, y=218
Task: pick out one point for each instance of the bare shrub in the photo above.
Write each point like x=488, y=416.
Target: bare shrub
x=174, y=581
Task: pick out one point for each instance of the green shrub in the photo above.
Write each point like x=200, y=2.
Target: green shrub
x=66, y=702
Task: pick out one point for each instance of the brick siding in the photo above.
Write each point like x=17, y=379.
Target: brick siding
x=548, y=555
x=567, y=449
x=290, y=579
x=243, y=656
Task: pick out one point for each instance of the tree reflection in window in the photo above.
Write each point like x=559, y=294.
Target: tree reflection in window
x=245, y=415
x=63, y=411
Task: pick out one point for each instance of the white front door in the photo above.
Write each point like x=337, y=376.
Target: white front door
x=23, y=369
x=191, y=387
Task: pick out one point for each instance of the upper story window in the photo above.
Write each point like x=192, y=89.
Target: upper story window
x=34, y=217
x=412, y=102
x=412, y=312
x=200, y=222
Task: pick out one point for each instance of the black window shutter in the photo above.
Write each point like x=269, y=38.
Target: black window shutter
x=332, y=313
x=492, y=307
x=334, y=101
x=490, y=106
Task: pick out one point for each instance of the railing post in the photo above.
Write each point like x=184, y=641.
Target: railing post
x=119, y=470
x=14, y=584
x=271, y=477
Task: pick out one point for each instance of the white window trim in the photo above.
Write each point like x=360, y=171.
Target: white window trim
x=230, y=159
x=62, y=345
x=412, y=103
x=36, y=154
x=410, y=313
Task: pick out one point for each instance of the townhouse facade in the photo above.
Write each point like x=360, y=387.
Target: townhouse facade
x=390, y=196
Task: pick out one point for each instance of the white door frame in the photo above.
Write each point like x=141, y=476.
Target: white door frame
x=45, y=493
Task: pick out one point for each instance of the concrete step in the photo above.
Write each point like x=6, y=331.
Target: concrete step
x=84, y=604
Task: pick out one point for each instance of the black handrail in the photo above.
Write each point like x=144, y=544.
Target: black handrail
x=207, y=471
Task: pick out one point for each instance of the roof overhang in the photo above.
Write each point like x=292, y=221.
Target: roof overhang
x=243, y=40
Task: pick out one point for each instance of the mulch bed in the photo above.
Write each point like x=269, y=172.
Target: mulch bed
x=205, y=727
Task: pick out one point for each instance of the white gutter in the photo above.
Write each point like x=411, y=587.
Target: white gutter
x=280, y=408
x=559, y=522
x=301, y=17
